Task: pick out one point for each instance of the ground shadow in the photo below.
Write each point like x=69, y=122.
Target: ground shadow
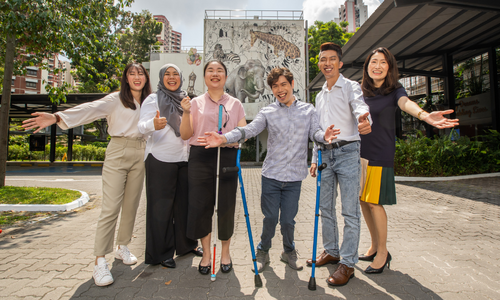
x=485, y=190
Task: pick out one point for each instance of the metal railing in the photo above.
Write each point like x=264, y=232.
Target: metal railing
x=255, y=14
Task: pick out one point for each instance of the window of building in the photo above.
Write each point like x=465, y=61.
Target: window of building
x=30, y=72
x=30, y=85
x=13, y=81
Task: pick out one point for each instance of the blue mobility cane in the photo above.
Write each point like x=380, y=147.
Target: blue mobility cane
x=215, y=220
x=321, y=167
x=258, y=280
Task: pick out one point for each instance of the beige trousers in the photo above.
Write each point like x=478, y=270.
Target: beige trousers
x=122, y=182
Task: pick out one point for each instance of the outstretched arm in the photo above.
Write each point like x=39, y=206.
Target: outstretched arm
x=41, y=121
x=212, y=140
x=436, y=118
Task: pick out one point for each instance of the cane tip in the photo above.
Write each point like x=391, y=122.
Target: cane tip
x=212, y=277
x=312, y=284
x=258, y=281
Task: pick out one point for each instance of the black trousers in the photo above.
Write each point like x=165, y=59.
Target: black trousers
x=167, y=206
x=202, y=181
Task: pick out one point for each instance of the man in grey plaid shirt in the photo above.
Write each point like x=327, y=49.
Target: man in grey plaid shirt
x=290, y=123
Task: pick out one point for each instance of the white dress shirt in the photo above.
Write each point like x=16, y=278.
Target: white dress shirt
x=163, y=144
x=122, y=121
x=341, y=106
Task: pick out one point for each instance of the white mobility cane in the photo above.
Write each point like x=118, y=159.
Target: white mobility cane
x=216, y=217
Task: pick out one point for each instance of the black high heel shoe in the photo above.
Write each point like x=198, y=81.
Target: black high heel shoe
x=371, y=270
x=226, y=268
x=368, y=257
x=204, y=270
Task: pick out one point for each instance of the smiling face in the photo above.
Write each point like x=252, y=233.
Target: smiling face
x=136, y=79
x=172, y=79
x=378, y=67
x=215, y=76
x=283, y=90
x=329, y=63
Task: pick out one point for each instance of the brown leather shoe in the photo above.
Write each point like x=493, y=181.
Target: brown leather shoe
x=341, y=276
x=323, y=259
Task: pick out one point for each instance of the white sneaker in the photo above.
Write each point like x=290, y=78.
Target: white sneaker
x=102, y=275
x=124, y=254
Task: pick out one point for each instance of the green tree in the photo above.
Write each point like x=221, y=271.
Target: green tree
x=136, y=40
x=320, y=33
x=31, y=31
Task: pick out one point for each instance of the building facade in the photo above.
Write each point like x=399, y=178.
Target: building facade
x=170, y=39
x=355, y=12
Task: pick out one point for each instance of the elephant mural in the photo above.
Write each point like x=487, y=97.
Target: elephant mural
x=247, y=81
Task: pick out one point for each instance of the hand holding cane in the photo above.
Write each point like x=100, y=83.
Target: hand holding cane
x=321, y=167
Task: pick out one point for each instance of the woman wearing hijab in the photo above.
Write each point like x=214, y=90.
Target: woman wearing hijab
x=123, y=169
x=166, y=158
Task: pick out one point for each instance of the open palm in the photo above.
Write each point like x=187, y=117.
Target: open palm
x=437, y=119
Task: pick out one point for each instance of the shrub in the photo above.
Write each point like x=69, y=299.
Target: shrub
x=421, y=156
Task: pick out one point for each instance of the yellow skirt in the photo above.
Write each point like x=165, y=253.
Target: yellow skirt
x=377, y=184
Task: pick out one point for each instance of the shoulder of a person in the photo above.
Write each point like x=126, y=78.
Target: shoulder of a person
x=151, y=98
x=233, y=99
x=112, y=97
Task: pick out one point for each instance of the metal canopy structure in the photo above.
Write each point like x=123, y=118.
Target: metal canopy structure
x=23, y=105
x=425, y=36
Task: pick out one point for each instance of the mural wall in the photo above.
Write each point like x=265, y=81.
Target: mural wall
x=251, y=49
x=190, y=64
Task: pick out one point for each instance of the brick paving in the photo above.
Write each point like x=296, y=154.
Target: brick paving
x=443, y=237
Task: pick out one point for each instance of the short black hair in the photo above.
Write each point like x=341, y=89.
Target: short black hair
x=331, y=46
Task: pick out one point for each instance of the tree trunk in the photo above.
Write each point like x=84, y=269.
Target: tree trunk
x=10, y=52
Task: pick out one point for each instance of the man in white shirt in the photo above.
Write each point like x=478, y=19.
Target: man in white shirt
x=341, y=103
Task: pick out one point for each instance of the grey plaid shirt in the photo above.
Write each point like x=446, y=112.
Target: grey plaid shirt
x=289, y=131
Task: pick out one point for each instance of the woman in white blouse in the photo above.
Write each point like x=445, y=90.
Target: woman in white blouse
x=123, y=169
x=166, y=159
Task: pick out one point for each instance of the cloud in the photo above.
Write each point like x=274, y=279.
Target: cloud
x=325, y=11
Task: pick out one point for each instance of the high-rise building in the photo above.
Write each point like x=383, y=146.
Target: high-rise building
x=34, y=80
x=355, y=12
x=170, y=39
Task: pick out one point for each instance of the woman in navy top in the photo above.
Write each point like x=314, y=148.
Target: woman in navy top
x=384, y=94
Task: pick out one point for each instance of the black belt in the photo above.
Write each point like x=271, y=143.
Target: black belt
x=336, y=145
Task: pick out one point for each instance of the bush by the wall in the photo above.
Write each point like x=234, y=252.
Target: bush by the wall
x=421, y=156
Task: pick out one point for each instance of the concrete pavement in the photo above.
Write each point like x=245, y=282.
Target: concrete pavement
x=443, y=237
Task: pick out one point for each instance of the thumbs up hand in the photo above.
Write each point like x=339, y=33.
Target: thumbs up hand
x=364, y=126
x=159, y=123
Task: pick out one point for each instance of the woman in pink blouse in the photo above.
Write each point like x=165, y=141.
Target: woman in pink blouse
x=201, y=115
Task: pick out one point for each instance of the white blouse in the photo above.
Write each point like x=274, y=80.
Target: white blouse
x=163, y=144
x=122, y=121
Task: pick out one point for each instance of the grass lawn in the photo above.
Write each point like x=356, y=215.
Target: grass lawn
x=32, y=195
x=36, y=195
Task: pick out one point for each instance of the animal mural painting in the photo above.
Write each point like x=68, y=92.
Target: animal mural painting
x=251, y=49
x=278, y=42
x=225, y=57
x=247, y=81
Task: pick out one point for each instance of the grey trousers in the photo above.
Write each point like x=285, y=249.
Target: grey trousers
x=122, y=183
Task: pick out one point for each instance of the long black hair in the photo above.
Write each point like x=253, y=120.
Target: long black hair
x=125, y=93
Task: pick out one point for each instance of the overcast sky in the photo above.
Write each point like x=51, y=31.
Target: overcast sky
x=187, y=16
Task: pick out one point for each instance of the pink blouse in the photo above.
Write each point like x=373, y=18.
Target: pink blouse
x=205, y=114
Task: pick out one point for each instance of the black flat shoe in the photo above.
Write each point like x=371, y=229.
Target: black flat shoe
x=368, y=257
x=226, y=268
x=371, y=270
x=169, y=263
x=198, y=251
x=204, y=270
